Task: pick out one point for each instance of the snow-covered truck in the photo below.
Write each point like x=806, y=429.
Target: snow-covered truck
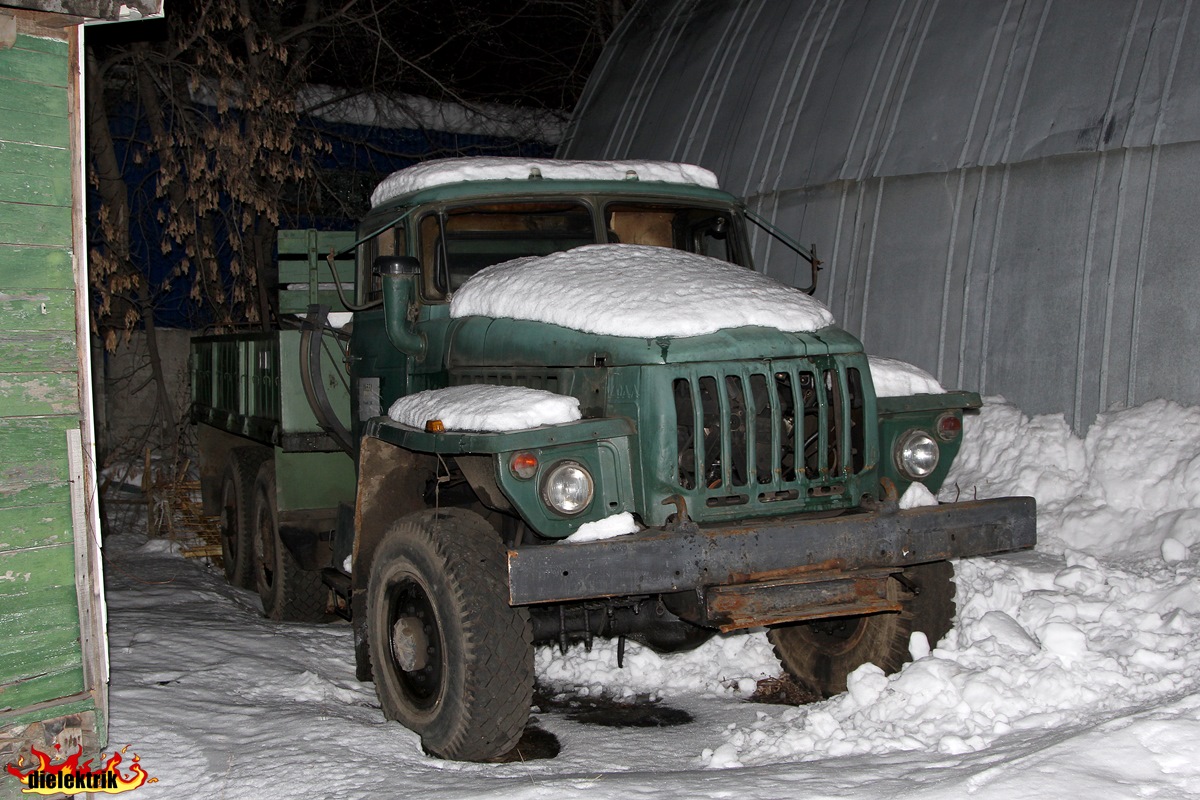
x=544, y=401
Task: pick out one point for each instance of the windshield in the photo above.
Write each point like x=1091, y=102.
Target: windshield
x=462, y=241
x=706, y=231
x=456, y=243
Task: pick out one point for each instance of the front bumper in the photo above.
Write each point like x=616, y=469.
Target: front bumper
x=773, y=556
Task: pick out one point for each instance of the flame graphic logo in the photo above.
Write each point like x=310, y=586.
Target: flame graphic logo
x=68, y=776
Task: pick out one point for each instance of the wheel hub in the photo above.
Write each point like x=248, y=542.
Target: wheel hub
x=410, y=645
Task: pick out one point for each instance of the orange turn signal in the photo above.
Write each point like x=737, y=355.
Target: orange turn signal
x=523, y=465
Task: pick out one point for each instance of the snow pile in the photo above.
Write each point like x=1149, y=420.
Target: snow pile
x=478, y=407
x=1128, y=488
x=728, y=665
x=636, y=290
x=1040, y=643
x=486, y=168
x=895, y=378
x=617, y=525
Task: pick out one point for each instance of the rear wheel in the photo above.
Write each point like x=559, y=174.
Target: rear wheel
x=237, y=537
x=821, y=653
x=452, y=660
x=288, y=592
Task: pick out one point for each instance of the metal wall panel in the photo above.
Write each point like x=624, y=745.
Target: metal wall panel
x=1002, y=191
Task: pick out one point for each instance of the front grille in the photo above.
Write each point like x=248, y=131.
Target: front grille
x=764, y=433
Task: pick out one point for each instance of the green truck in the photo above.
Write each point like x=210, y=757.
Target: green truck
x=760, y=469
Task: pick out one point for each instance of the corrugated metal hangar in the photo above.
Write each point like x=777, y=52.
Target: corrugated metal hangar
x=1003, y=192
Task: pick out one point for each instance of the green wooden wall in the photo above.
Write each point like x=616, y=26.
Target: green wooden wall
x=40, y=656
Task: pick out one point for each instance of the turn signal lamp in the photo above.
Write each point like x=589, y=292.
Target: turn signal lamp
x=523, y=465
x=949, y=427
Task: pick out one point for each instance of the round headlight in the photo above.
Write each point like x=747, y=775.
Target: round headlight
x=567, y=488
x=916, y=455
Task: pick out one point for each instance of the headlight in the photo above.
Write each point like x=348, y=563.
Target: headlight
x=567, y=488
x=916, y=455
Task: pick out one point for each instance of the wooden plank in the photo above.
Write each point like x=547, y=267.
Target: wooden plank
x=50, y=101
x=35, y=267
x=33, y=224
x=38, y=393
x=38, y=655
x=33, y=450
x=38, y=129
x=24, y=527
x=64, y=681
x=19, y=158
x=28, y=578
x=25, y=126
x=34, y=66
x=51, y=633
x=35, y=494
x=36, y=639
x=59, y=710
x=37, y=351
x=295, y=302
x=294, y=271
x=295, y=240
x=38, y=310
x=34, y=174
x=40, y=44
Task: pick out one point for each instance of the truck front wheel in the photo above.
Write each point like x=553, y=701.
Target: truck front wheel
x=821, y=653
x=452, y=660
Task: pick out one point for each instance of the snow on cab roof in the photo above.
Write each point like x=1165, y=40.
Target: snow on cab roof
x=482, y=168
x=636, y=290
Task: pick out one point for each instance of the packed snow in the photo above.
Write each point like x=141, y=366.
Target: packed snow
x=479, y=407
x=1072, y=671
x=895, y=378
x=442, y=172
x=636, y=290
x=621, y=524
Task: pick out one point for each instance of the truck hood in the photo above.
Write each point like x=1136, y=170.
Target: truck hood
x=488, y=342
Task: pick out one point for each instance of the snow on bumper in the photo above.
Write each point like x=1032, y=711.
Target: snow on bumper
x=772, y=571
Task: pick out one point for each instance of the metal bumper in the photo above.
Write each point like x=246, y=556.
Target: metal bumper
x=769, y=552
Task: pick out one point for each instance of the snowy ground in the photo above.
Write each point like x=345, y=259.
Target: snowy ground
x=1073, y=671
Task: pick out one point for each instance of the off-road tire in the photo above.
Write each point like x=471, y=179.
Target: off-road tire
x=237, y=491
x=288, y=592
x=821, y=653
x=444, y=572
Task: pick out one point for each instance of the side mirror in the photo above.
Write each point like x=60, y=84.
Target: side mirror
x=395, y=265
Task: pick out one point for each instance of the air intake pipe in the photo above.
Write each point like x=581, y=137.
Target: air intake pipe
x=400, y=275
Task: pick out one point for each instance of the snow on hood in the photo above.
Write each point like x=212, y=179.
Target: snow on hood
x=477, y=407
x=894, y=378
x=484, y=168
x=636, y=290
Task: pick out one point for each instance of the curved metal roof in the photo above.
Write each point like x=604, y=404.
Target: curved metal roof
x=1002, y=190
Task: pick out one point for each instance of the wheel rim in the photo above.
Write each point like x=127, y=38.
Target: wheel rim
x=415, y=644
